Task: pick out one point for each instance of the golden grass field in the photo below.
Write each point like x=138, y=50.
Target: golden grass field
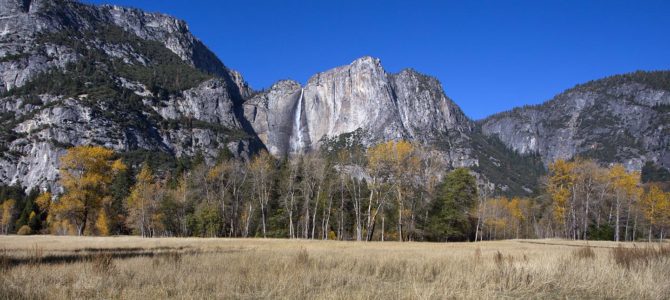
x=61, y=267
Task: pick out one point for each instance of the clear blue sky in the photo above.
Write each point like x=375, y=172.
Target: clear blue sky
x=489, y=55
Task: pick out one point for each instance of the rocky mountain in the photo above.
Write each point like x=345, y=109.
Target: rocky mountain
x=141, y=83
x=362, y=104
x=360, y=97
x=619, y=119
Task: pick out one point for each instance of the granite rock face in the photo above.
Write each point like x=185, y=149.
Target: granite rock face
x=46, y=130
x=198, y=106
x=361, y=96
x=23, y=21
x=271, y=115
x=46, y=35
x=621, y=119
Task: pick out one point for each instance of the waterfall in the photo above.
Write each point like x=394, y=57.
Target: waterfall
x=296, y=136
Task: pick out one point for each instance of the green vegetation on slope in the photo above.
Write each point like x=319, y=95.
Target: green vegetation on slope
x=520, y=173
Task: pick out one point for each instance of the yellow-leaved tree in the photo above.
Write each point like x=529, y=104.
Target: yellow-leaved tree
x=655, y=206
x=7, y=215
x=626, y=191
x=86, y=173
x=142, y=204
x=398, y=164
x=560, y=184
x=261, y=168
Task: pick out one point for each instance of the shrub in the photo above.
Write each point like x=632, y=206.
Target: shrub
x=630, y=257
x=584, y=253
x=24, y=230
x=174, y=257
x=478, y=255
x=4, y=259
x=36, y=254
x=302, y=257
x=103, y=263
x=604, y=232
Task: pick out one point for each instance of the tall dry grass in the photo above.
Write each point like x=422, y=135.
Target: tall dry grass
x=135, y=268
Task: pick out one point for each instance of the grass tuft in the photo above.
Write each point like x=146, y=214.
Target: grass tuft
x=302, y=257
x=639, y=256
x=103, y=263
x=584, y=253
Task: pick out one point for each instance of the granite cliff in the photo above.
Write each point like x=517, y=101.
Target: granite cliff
x=77, y=74
x=619, y=119
x=142, y=84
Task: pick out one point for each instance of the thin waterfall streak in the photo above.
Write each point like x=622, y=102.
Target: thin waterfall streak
x=297, y=126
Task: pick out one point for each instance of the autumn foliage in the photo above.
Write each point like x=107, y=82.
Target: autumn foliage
x=86, y=174
x=394, y=190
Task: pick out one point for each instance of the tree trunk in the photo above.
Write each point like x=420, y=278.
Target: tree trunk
x=83, y=224
x=246, y=225
x=263, y=217
x=400, y=209
x=316, y=208
x=326, y=229
x=626, y=235
x=383, y=228
x=617, y=224
x=340, y=227
x=586, y=216
x=369, y=223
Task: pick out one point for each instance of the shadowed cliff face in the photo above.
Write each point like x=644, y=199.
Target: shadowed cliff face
x=271, y=115
x=104, y=61
x=358, y=96
x=621, y=119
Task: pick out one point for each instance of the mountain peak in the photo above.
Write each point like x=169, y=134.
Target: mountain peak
x=367, y=60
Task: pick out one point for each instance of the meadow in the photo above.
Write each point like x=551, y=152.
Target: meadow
x=67, y=267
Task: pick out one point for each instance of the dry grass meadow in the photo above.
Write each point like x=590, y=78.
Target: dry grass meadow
x=56, y=267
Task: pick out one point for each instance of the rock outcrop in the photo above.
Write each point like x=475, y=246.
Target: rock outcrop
x=22, y=22
x=361, y=96
x=77, y=74
x=100, y=57
x=620, y=119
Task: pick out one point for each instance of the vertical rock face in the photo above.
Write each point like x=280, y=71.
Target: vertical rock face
x=21, y=23
x=271, y=115
x=143, y=82
x=347, y=98
x=426, y=112
x=620, y=119
x=360, y=96
x=197, y=108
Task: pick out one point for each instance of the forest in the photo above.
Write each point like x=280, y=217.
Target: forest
x=393, y=191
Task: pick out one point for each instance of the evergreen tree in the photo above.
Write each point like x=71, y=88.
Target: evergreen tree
x=451, y=211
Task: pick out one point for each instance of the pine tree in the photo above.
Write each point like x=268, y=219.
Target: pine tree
x=452, y=210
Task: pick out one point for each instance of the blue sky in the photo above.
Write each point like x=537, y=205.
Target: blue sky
x=489, y=55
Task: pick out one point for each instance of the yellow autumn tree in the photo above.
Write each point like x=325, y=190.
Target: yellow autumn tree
x=516, y=214
x=261, y=168
x=141, y=203
x=560, y=183
x=86, y=174
x=496, y=220
x=7, y=215
x=655, y=206
x=399, y=164
x=43, y=201
x=102, y=223
x=626, y=191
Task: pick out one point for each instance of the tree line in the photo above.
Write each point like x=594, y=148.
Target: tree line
x=392, y=191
